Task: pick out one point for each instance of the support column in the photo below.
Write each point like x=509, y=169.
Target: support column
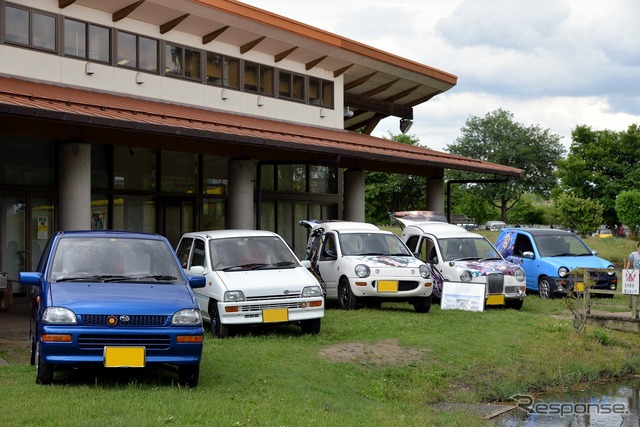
x=240, y=202
x=74, y=189
x=354, y=195
x=435, y=195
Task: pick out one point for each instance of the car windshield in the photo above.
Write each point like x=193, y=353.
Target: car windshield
x=251, y=253
x=561, y=245
x=464, y=248
x=113, y=259
x=372, y=244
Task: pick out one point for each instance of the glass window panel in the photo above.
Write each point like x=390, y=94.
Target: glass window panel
x=213, y=214
x=134, y=168
x=178, y=172
x=301, y=211
x=38, y=170
x=192, y=64
x=327, y=94
x=298, y=88
x=315, y=211
x=134, y=213
x=99, y=212
x=99, y=167
x=285, y=221
x=42, y=226
x=314, y=91
x=173, y=60
x=214, y=68
x=215, y=175
x=231, y=70
x=75, y=38
x=267, y=178
x=268, y=216
x=267, y=76
x=292, y=178
x=250, y=76
x=44, y=31
x=126, y=56
x=284, y=84
x=16, y=25
x=323, y=179
x=99, y=43
x=148, y=54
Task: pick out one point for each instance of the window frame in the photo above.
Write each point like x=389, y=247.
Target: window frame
x=30, y=27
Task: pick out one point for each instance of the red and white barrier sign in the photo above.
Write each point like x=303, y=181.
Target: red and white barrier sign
x=630, y=282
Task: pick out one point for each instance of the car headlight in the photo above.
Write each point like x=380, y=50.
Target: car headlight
x=465, y=276
x=519, y=274
x=425, y=272
x=233, y=296
x=362, y=270
x=188, y=316
x=312, y=291
x=563, y=272
x=59, y=315
x=611, y=270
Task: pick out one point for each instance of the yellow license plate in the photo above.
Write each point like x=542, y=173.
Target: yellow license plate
x=275, y=315
x=124, y=357
x=579, y=287
x=387, y=286
x=495, y=299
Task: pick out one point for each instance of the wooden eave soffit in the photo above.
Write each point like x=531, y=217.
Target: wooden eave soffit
x=380, y=88
x=279, y=57
x=385, y=108
x=358, y=82
x=168, y=26
x=125, y=11
x=247, y=47
x=214, y=35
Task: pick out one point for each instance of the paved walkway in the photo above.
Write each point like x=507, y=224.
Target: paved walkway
x=14, y=326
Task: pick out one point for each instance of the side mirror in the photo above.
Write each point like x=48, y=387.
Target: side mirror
x=197, y=281
x=306, y=263
x=29, y=278
x=527, y=254
x=197, y=270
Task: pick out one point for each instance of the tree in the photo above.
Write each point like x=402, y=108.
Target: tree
x=525, y=212
x=388, y=192
x=628, y=209
x=601, y=165
x=582, y=215
x=498, y=139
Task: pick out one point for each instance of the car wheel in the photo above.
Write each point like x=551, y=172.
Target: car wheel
x=514, y=304
x=218, y=330
x=544, y=288
x=32, y=349
x=44, y=371
x=188, y=375
x=346, y=298
x=422, y=305
x=311, y=326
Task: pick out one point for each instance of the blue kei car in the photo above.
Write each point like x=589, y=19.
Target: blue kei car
x=548, y=256
x=116, y=300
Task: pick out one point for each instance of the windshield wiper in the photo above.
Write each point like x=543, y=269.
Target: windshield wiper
x=372, y=253
x=283, y=263
x=467, y=258
x=158, y=277
x=564, y=254
x=76, y=279
x=251, y=266
x=491, y=258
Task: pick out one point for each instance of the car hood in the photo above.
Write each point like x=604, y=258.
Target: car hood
x=382, y=261
x=267, y=282
x=482, y=268
x=571, y=262
x=108, y=298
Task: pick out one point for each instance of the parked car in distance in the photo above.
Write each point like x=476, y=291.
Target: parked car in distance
x=252, y=278
x=495, y=225
x=362, y=264
x=548, y=257
x=457, y=255
x=113, y=299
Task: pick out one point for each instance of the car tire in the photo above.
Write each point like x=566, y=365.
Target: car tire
x=514, y=304
x=218, y=329
x=188, y=375
x=422, y=305
x=346, y=298
x=44, y=371
x=32, y=349
x=311, y=326
x=544, y=288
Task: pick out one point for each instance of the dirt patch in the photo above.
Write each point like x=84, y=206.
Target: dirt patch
x=385, y=352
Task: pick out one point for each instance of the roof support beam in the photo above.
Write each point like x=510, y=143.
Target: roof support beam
x=207, y=38
x=341, y=71
x=125, y=11
x=64, y=3
x=378, y=106
x=168, y=26
x=247, y=47
x=358, y=82
x=402, y=94
x=279, y=57
x=315, y=62
x=381, y=88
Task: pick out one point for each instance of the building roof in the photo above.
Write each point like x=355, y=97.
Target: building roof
x=377, y=84
x=114, y=119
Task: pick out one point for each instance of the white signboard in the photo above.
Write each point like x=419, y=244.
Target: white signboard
x=462, y=296
x=630, y=282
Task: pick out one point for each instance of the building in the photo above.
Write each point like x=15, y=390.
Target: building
x=176, y=115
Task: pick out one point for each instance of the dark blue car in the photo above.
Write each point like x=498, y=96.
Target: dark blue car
x=113, y=299
x=549, y=256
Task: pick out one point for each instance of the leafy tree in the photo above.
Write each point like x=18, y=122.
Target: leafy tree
x=497, y=138
x=525, y=212
x=582, y=215
x=387, y=192
x=465, y=202
x=601, y=165
x=628, y=209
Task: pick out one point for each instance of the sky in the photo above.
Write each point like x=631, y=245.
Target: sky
x=556, y=64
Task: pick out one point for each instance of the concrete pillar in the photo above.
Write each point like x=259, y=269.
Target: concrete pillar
x=354, y=195
x=74, y=189
x=435, y=195
x=240, y=202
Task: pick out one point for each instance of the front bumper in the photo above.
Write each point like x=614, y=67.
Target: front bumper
x=270, y=311
x=390, y=287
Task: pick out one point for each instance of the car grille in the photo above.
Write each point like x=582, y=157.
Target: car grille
x=273, y=297
x=269, y=306
x=407, y=285
x=495, y=283
x=125, y=321
x=98, y=341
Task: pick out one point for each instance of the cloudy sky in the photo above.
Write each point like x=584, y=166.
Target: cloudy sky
x=552, y=63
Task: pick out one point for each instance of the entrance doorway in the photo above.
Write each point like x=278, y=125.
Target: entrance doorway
x=177, y=216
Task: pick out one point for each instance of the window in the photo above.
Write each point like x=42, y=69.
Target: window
x=147, y=54
x=127, y=55
x=88, y=41
x=30, y=28
x=251, y=76
x=182, y=62
x=291, y=86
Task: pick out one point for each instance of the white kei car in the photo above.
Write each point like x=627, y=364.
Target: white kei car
x=252, y=277
x=362, y=264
